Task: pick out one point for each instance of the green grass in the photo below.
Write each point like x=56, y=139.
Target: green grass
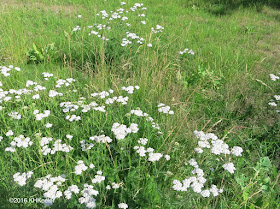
x=224, y=89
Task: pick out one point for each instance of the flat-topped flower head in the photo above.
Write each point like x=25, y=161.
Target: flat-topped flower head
x=21, y=178
x=229, y=167
x=123, y=205
x=236, y=150
x=10, y=133
x=80, y=167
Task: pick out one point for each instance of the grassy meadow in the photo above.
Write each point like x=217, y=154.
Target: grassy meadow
x=126, y=104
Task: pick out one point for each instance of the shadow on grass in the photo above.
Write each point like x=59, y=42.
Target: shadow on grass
x=225, y=7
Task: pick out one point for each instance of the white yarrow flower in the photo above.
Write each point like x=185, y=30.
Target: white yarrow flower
x=229, y=167
x=10, y=133
x=123, y=205
x=236, y=150
x=49, y=125
x=36, y=96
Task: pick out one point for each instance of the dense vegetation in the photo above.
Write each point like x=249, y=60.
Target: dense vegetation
x=114, y=109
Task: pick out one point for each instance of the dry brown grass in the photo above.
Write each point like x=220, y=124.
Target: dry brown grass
x=66, y=9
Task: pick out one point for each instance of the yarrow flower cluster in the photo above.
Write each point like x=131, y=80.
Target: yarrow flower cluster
x=37, y=88
x=158, y=29
x=15, y=115
x=36, y=96
x=86, y=146
x=130, y=89
x=98, y=178
x=154, y=156
x=68, y=106
x=120, y=131
x=71, y=189
x=229, y=167
x=141, y=150
x=57, y=146
x=87, y=198
x=120, y=99
x=130, y=37
x=217, y=147
x=102, y=94
x=5, y=70
x=4, y=95
x=101, y=139
x=94, y=106
x=236, y=150
x=143, y=141
x=274, y=77
x=196, y=182
x=53, y=93
x=10, y=133
x=165, y=109
x=76, y=28
x=40, y=116
x=21, y=178
x=186, y=51
x=20, y=141
x=50, y=185
x=123, y=205
x=140, y=113
x=80, y=167
x=47, y=75
x=48, y=125
x=30, y=83
x=66, y=82
x=73, y=118
x=114, y=185
x=276, y=98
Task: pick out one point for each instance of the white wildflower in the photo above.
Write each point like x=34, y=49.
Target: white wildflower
x=123, y=205
x=10, y=133
x=154, y=156
x=229, y=167
x=236, y=150
x=36, y=96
